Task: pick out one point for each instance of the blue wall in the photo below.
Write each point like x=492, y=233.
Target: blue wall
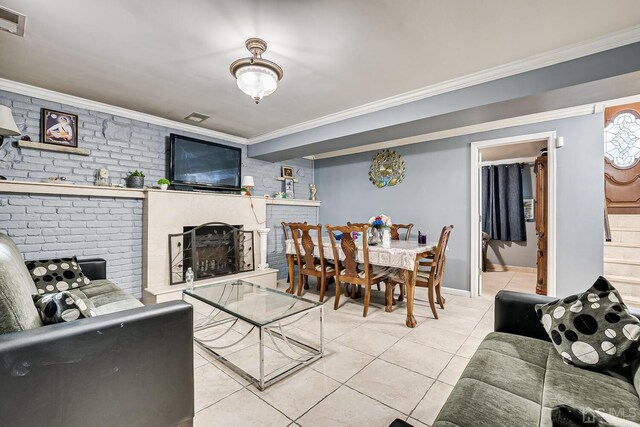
x=436, y=192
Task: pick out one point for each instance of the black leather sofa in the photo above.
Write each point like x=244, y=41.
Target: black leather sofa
x=127, y=368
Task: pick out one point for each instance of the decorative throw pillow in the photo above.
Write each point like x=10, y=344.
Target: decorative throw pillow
x=592, y=329
x=62, y=307
x=55, y=275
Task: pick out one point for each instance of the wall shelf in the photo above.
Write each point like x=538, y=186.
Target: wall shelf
x=52, y=147
x=293, y=202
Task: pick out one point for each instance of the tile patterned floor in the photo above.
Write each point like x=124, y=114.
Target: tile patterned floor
x=375, y=369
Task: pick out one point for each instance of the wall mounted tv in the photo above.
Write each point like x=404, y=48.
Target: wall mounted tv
x=205, y=165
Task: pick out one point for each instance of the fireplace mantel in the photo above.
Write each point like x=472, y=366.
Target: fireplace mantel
x=68, y=189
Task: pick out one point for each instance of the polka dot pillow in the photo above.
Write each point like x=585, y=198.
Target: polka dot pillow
x=55, y=275
x=62, y=307
x=592, y=329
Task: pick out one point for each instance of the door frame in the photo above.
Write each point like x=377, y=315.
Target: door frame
x=476, y=208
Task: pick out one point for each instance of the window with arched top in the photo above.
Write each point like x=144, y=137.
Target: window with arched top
x=622, y=137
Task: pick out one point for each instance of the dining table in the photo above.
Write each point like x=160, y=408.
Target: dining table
x=401, y=254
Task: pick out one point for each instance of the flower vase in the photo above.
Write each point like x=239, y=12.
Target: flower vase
x=375, y=238
x=386, y=238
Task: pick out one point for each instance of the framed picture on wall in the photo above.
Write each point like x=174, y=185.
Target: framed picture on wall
x=59, y=128
x=529, y=209
x=287, y=172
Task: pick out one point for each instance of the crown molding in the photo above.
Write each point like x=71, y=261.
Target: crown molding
x=76, y=101
x=563, y=54
x=546, y=116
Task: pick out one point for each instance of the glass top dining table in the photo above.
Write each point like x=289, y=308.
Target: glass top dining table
x=401, y=254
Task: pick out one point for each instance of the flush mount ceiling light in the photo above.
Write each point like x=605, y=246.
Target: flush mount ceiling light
x=255, y=76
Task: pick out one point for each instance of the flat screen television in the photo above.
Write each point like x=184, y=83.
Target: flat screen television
x=202, y=164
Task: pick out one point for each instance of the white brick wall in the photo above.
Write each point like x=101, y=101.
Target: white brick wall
x=46, y=226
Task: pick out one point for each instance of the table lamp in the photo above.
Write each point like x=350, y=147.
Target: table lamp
x=7, y=124
x=247, y=182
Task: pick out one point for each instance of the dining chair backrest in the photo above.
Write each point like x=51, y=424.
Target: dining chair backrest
x=285, y=230
x=395, y=231
x=358, y=224
x=305, y=246
x=439, y=256
x=349, y=271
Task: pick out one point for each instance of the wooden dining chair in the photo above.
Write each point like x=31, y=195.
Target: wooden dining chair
x=308, y=263
x=428, y=273
x=351, y=269
x=286, y=226
x=395, y=231
x=395, y=235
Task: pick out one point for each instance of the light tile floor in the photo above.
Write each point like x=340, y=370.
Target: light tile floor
x=375, y=369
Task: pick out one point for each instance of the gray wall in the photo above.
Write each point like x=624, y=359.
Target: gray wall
x=519, y=254
x=436, y=192
x=50, y=226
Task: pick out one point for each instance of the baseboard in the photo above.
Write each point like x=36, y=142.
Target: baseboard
x=454, y=291
x=498, y=268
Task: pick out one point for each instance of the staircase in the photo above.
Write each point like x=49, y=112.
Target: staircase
x=622, y=256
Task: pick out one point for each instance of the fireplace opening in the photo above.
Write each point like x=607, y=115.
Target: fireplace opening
x=210, y=250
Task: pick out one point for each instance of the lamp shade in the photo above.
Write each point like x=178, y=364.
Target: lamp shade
x=257, y=81
x=7, y=124
x=247, y=181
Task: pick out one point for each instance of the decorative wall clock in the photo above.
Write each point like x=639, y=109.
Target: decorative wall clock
x=387, y=169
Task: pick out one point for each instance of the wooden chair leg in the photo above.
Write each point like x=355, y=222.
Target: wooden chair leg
x=431, y=302
x=323, y=286
x=306, y=282
x=388, y=296
x=301, y=278
x=337, y=301
x=401, y=297
x=378, y=285
x=439, y=297
x=367, y=297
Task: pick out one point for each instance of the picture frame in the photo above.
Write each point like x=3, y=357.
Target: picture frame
x=287, y=172
x=58, y=128
x=289, y=191
x=529, y=209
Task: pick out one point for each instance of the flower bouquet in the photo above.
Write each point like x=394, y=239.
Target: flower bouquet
x=377, y=223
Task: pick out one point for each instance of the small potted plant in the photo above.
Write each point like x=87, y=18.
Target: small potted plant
x=243, y=191
x=135, y=179
x=164, y=183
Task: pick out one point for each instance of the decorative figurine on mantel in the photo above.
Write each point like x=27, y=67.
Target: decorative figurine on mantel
x=312, y=191
x=102, y=178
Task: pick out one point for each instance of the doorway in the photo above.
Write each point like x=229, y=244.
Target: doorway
x=514, y=257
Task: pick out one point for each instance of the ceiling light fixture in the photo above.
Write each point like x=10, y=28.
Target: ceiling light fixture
x=255, y=76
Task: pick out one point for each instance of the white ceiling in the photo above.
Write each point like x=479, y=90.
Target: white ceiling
x=170, y=58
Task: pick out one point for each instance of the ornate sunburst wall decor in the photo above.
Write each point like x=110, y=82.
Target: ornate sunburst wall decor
x=387, y=169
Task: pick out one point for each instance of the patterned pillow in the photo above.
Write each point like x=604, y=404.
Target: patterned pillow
x=592, y=329
x=62, y=307
x=55, y=275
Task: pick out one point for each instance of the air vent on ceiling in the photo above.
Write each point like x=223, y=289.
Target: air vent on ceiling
x=12, y=22
x=197, y=117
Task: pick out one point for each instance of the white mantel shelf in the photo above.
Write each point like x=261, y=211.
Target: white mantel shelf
x=68, y=189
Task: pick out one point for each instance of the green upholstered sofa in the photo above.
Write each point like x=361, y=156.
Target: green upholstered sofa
x=130, y=365
x=516, y=377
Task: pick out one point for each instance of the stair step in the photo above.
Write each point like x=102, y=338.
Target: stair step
x=628, y=287
x=624, y=221
x=621, y=261
x=625, y=235
x=623, y=244
x=624, y=268
x=623, y=279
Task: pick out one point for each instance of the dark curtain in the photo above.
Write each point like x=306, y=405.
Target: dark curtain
x=502, y=205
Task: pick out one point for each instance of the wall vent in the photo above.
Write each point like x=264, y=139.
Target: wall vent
x=12, y=22
x=197, y=117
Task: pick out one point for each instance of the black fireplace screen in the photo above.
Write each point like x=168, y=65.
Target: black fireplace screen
x=211, y=250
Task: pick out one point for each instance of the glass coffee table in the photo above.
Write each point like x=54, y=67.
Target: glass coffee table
x=241, y=323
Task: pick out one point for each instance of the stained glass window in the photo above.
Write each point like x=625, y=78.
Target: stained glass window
x=622, y=139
